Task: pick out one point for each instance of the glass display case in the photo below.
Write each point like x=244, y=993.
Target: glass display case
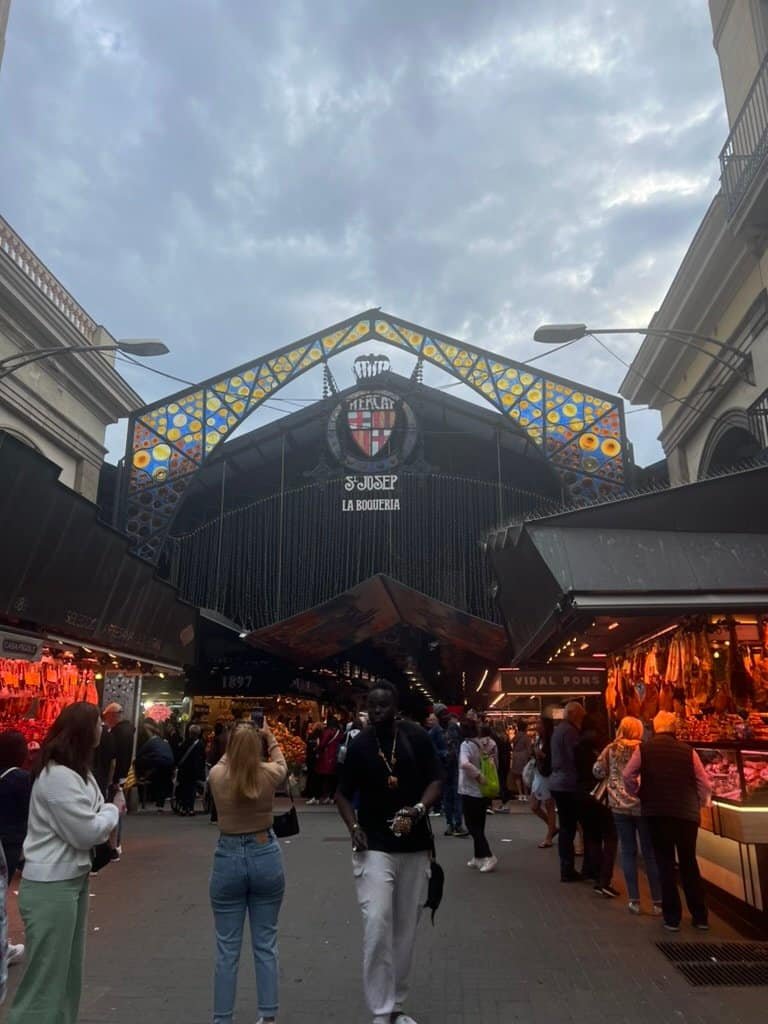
x=739, y=775
x=754, y=766
x=722, y=767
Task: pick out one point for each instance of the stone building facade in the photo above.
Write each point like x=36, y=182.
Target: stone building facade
x=715, y=415
x=62, y=405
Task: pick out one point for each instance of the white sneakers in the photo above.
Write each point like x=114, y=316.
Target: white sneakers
x=483, y=864
x=634, y=908
x=15, y=953
x=403, y=1018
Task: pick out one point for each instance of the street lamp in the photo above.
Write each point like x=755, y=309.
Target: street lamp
x=145, y=347
x=562, y=334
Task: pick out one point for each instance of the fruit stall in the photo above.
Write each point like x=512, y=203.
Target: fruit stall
x=287, y=717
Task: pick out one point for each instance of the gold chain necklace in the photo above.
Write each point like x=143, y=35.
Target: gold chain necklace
x=392, y=779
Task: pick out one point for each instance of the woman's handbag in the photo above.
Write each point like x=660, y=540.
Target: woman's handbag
x=101, y=855
x=287, y=824
x=600, y=792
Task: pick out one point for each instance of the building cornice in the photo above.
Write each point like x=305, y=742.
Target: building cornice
x=48, y=308
x=718, y=28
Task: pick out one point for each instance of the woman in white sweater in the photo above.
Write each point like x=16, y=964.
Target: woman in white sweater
x=67, y=818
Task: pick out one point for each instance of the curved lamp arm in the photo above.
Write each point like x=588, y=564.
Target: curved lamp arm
x=15, y=362
x=559, y=334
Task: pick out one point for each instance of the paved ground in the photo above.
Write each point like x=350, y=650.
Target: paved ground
x=515, y=946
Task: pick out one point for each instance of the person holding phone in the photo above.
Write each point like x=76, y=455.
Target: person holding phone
x=247, y=871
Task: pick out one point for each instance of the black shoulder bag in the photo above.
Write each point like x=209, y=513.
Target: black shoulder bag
x=436, y=877
x=287, y=824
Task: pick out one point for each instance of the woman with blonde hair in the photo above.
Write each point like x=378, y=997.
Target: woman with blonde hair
x=630, y=825
x=248, y=866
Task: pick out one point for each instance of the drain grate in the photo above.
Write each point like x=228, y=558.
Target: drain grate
x=719, y=963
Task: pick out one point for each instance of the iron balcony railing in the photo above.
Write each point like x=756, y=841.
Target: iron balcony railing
x=747, y=145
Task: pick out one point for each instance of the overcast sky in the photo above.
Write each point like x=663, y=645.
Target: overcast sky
x=230, y=175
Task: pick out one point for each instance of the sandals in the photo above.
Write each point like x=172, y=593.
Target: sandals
x=545, y=846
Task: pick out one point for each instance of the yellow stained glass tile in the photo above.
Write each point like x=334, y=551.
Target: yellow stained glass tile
x=412, y=337
x=330, y=341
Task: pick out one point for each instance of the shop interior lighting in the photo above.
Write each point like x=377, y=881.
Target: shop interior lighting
x=496, y=701
x=600, y=655
x=738, y=810
x=614, y=625
x=655, y=636
x=482, y=681
x=242, y=635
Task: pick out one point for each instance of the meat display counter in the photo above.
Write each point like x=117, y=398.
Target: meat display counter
x=738, y=772
x=733, y=839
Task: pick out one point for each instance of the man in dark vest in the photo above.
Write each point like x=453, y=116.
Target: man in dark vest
x=673, y=786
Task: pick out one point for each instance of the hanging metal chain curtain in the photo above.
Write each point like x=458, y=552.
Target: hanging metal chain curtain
x=233, y=564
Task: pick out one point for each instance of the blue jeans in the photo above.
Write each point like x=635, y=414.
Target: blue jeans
x=629, y=827
x=451, y=800
x=247, y=875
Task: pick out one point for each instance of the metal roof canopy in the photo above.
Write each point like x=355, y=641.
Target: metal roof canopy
x=699, y=547
x=369, y=610
x=69, y=575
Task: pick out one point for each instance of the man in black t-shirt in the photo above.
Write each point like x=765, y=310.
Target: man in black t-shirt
x=394, y=771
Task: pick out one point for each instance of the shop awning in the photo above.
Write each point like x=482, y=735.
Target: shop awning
x=369, y=610
x=66, y=573
x=674, y=551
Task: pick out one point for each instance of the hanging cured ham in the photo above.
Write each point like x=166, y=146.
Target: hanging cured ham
x=33, y=694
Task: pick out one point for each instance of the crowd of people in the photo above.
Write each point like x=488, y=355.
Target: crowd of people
x=388, y=776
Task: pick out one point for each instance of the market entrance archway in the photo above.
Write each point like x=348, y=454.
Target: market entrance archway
x=579, y=429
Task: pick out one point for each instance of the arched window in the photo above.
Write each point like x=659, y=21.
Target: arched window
x=14, y=432
x=730, y=443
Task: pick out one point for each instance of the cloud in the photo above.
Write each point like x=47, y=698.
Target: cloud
x=233, y=176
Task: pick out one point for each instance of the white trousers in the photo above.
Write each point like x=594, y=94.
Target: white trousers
x=391, y=890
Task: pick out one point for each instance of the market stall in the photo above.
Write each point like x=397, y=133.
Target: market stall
x=40, y=676
x=289, y=719
x=669, y=593
x=34, y=693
